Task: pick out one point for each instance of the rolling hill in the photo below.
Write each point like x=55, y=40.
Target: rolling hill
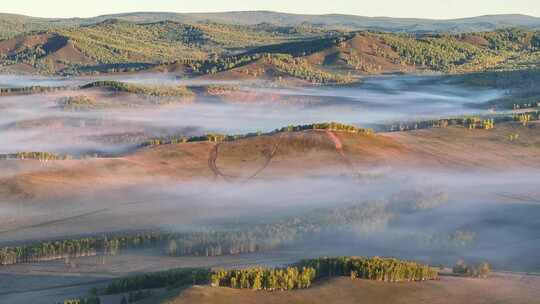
x=16, y=24
x=319, y=54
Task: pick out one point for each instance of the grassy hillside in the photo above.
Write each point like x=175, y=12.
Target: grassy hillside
x=11, y=25
x=119, y=45
x=315, y=55
x=448, y=290
x=375, y=53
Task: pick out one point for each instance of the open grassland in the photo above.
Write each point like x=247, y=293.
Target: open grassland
x=289, y=154
x=448, y=290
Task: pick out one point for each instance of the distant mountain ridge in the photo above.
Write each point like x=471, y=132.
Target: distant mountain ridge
x=12, y=24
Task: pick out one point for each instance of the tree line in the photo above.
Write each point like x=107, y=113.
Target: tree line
x=31, y=90
x=486, y=122
x=207, y=242
x=300, y=68
x=89, y=300
x=375, y=268
x=300, y=275
x=271, y=279
x=217, y=137
x=41, y=156
x=154, y=91
x=77, y=247
x=330, y=126
x=480, y=270
x=179, y=277
x=364, y=217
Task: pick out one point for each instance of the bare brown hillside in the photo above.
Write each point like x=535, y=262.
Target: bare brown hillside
x=285, y=154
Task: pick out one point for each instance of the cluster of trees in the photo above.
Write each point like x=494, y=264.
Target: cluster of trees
x=521, y=79
x=41, y=156
x=30, y=90
x=359, y=218
x=113, y=43
x=481, y=270
x=211, y=137
x=524, y=118
x=78, y=247
x=72, y=69
x=302, y=69
x=527, y=105
x=331, y=126
x=170, y=278
x=511, y=39
x=513, y=136
x=478, y=123
x=441, y=53
x=506, y=49
x=357, y=62
x=217, y=90
x=304, y=273
x=469, y=122
x=216, y=137
x=89, y=300
x=243, y=240
x=297, y=276
x=216, y=64
x=303, y=47
x=147, y=90
x=78, y=103
x=375, y=268
x=265, y=279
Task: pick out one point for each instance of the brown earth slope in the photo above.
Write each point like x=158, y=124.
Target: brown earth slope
x=286, y=154
x=364, y=53
x=449, y=290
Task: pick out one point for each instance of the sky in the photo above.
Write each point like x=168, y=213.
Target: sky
x=437, y=9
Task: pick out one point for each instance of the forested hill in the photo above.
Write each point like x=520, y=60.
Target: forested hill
x=351, y=22
x=11, y=25
x=261, y=50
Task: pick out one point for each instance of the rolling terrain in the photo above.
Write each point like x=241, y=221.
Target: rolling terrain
x=16, y=24
x=261, y=157
x=505, y=288
x=316, y=55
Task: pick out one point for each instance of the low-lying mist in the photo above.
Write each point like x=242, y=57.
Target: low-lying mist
x=39, y=123
x=438, y=217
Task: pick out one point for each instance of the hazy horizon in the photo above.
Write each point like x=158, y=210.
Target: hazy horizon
x=422, y=9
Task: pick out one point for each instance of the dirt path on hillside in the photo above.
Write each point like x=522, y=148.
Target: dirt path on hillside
x=212, y=159
x=214, y=153
x=269, y=158
x=339, y=149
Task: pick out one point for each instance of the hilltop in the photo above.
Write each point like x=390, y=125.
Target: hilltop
x=275, y=155
x=16, y=24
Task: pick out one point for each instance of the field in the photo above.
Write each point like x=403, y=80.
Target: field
x=500, y=288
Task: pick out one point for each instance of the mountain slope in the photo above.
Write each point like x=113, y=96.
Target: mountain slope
x=116, y=45
x=481, y=23
x=11, y=25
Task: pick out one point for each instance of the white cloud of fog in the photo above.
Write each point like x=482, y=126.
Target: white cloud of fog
x=383, y=99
